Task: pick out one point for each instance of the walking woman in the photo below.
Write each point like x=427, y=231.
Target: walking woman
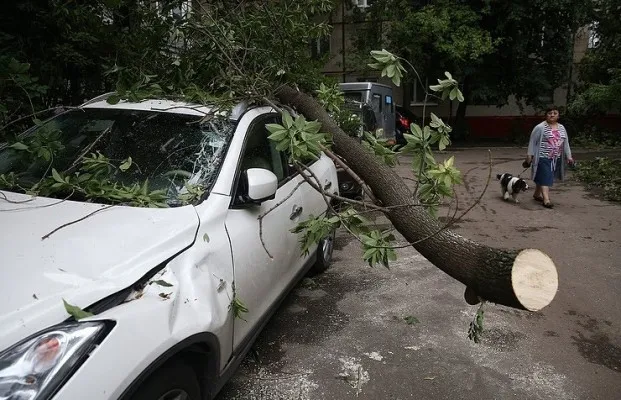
x=548, y=152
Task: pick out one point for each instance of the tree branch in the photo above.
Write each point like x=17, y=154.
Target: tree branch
x=34, y=114
x=351, y=173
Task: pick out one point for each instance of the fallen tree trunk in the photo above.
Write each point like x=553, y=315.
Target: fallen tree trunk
x=525, y=279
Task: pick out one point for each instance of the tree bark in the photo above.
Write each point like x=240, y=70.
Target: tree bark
x=525, y=279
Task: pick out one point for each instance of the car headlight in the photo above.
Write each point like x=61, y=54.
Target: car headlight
x=37, y=366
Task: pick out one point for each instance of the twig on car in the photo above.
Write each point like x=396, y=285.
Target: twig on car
x=75, y=222
x=31, y=199
x=3, y=197
x=34, y=114
x=260, y=217
x=281, y=201
x=87, y=149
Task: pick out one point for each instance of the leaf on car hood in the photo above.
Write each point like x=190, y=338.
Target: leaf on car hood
x=162, y=283
x=76, y=312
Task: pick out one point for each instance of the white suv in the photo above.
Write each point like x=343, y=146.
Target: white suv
x=159, y=281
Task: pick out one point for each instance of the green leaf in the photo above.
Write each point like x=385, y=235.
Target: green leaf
x=410, y=320
x=300, y=122
x=273, y=128
x=19, y=146
x=436, y=88
x=284, y=145
x=113, y=99
x=278, y=135
x=126, y=164
x=84, y=177
x=460, y=96
x=162, y=283
x=76, y=312
x=287, y=120
x=45, y=153
x=368, y=253
x=313, y=127
x=57, y=176
x=453, y=94
x=396, y=79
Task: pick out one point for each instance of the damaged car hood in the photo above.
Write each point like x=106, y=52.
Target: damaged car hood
x=52, y=250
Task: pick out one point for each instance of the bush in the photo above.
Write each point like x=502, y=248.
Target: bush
x=603, y=173
x=594, y=138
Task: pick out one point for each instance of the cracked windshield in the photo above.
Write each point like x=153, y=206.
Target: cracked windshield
x=128, y=157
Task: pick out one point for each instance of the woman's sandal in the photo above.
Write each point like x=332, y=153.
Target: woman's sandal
x=537, y=198
x=548, y=205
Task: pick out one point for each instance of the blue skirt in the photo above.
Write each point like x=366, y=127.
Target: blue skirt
x=545, y=173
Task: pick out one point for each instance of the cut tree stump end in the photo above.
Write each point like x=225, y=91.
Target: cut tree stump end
x=534, y=279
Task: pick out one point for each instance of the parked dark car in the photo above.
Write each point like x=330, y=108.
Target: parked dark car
x=403, y=118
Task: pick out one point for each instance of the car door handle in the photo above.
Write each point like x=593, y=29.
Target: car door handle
x=327, y=186
x=297, y=211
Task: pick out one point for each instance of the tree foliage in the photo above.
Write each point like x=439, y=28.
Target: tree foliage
x=495, y=49
x=600, y=70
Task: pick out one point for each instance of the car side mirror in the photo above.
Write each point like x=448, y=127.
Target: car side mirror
x=261, y=185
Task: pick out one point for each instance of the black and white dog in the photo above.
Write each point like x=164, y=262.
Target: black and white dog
x=511, y=186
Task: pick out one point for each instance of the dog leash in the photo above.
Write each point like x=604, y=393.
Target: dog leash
x=520, y=174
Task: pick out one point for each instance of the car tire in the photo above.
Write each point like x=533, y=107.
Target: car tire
x=173, y=381
x=325, y=247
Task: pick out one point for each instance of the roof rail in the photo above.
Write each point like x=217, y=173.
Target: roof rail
x=98, y=98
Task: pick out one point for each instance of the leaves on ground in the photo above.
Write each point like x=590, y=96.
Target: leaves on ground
x=475, y=330
x=309, y=284
x=602, y=173
x=410, y=320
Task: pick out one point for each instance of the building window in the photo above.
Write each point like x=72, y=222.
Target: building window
x=320, y=47
x=547, y=98
x=418, y=93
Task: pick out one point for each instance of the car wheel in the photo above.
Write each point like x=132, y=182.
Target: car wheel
x=173, y=381
x=325, y=247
